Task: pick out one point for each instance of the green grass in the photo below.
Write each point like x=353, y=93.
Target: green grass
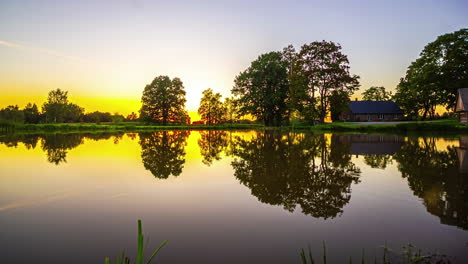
x=442, y=126
x=123, y=259
x=416, y=126
x=124, y=127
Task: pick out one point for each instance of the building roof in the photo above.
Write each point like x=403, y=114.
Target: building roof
x=462, y=100
x=375, y=107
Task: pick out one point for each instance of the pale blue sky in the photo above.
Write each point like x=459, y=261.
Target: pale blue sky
x=113, y=48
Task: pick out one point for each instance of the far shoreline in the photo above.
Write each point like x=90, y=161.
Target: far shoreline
x=410, y=127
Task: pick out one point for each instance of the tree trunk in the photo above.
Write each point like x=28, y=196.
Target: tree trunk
x=425, y=113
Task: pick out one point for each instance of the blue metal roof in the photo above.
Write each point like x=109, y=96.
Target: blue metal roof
x=374, y=107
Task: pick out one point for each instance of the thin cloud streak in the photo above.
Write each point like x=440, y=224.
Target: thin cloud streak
x=43, y=51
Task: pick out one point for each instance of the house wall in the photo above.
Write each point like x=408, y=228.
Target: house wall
x=463, y=118
x=370, y=117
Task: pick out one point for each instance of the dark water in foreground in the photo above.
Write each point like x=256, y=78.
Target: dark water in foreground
x=230, y=197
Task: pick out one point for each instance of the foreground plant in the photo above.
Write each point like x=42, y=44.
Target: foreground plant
x=410, y=255
x=122, y=259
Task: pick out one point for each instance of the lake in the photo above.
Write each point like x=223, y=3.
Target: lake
x=231, y=197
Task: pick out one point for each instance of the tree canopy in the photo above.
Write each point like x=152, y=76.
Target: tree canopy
x=262, y=89
x=211, y=109
x=376, y=93
x=434, y=78
x=58, y=109
x=322, y=68
x=163, y=101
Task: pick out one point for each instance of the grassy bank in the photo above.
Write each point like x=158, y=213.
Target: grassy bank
x=119, y=127
x=440, y=126
x=451, y=126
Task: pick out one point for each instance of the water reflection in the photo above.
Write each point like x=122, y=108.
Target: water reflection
x=56, y=146
x=296, y=169
x=163, y=152
x=212, y=143
x=437, y=177
x=314, y=172
x=376, y=149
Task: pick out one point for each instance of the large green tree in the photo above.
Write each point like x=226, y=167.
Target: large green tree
x=262, y=89
x=55, y=107
x=211, y=108
x=163, y=101
x=434, y=78
x=322, y=69
x=58, y=109
x=376, y=93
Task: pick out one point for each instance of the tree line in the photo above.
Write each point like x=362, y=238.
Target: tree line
x=431, y=80
x=275, y=87
x=278, y=87
x=308, y=84
x=58, y=109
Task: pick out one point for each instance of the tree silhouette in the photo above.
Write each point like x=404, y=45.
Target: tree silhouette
x=296, y=169
x=376, y=93
x=262, y=89
x=163, y=152
x=163, y=101
x=211, y=109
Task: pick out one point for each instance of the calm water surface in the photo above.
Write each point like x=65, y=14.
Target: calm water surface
x=230, y=197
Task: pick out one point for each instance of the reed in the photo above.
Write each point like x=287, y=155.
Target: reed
x=140, y=257
x=409, y=255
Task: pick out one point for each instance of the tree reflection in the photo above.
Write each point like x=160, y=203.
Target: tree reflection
x=211, y=144
x=12, y=140
x=56, y=146
x=437, y=177
x=378, y=161
x=163, y=152
x=296, y=169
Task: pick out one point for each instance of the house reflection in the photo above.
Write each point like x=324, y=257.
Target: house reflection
x=462, y=154
x=376, y=149
x=372, y=144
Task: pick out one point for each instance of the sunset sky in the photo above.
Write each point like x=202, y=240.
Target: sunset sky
x=105, y=52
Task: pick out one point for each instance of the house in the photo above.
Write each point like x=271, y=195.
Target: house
x=462, y=105
x=360, y=111
x=198, y=123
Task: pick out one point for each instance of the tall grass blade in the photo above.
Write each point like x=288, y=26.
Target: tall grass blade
x=303, y=257
x=157, y=250
x=362, y=258
x=139, y=259
x=310, y=256
x=324, y=253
